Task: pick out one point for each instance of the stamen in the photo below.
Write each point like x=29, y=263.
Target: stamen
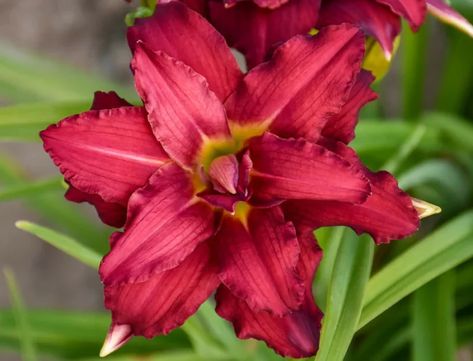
x=242, y=209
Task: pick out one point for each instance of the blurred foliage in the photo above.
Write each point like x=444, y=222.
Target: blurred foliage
x=410, y=300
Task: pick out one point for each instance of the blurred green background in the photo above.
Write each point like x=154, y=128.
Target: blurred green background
x=55, y=53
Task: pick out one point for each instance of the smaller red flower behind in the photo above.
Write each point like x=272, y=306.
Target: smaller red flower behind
x=224, y=177
x=256, y=27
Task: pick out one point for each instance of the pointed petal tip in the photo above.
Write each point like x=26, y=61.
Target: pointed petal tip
x=425, y=209
x=446, y=14
x=117, y=336
x=388, y=55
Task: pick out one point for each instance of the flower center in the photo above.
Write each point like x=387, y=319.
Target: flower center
x=223, y=176
x=226, y=181
x=216, y=148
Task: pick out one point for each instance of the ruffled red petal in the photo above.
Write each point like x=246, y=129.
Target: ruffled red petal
x=307, y=81
x=108, y=100
x=295, y=334
x=113, y=214
x=413, y=11
x=256, y=31
x=374, y=18
x=342, y=125
x=163, y=302
x=258, y=260
x=387, y=214
x=298, y=169
x=182, y=110
x=109, y=152
x=165, y=224
x=202, y=48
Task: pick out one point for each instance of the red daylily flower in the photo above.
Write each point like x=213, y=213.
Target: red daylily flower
x=224, y=177
x=256, y=27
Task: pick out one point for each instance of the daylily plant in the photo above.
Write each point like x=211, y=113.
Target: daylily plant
x=256, y=27
x=223, y=176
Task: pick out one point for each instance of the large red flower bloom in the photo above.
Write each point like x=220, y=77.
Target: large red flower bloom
x=224, y=177
x=255, y=27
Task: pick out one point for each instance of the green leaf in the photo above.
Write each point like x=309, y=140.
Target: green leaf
x=329, y=239
x=427, y=181
x=25, y=78
x=385, y=336
x=161, y=356
x=222, y=331
x=455, y=186
x=383, y=138
x=203, y=343
x=351, y=270
x=389, y=346
x=28, y=350
x=464, y=283
x=30, y=189
x=406, y=149
x=433, y=312
x=62, y=242
x=23, y=122
x=454, y=130
x=413, y=52
x=73, y=335
x=457, y=73
x=442, y=250
x=465, y=330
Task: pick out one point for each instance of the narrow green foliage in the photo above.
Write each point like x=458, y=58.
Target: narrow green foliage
x=433, y=312
x=28, y=351
x=329, y=239
x=51, y=205
x=465, y=330
x=164, y=356
x=212, y=338
x=455, y=84
x=23, y=122
x=409, y=145
x=161, y=356
x=30, y=189
x=26, y=78
x=62, y=242
x=222, y=331
x=442, y=250
x=413, y=51
x=350, y=274
x=68, y=335
x=389, y=346
x=464, y=278
x=457, y=133
x=203, y=343
x=382, y=139
x=385, y=336
x=455, y=187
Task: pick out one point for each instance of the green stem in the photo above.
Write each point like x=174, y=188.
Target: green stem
x=413, y=75
x=434, y=336
x=457, y=74
x=28, y=349
x=350, y=274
